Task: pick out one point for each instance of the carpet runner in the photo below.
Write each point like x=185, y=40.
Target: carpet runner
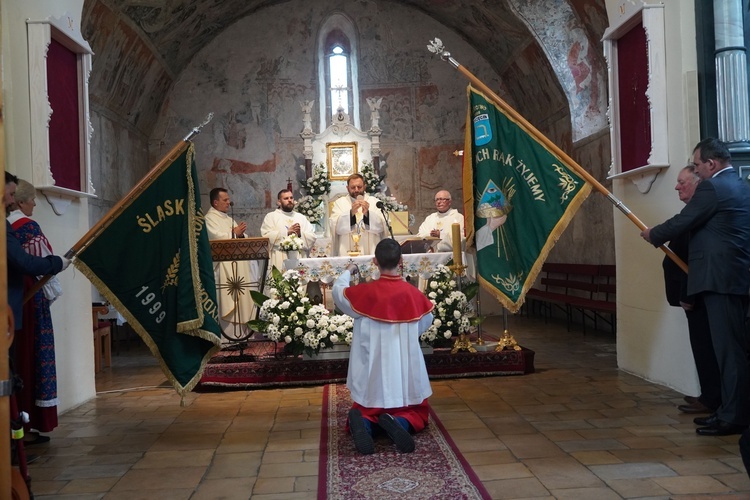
x=436, y=469
x=261, y=366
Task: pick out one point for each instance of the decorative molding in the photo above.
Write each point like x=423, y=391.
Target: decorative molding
x=61, y=198
x=642, y=177
x=40, y=34
x=652, y=18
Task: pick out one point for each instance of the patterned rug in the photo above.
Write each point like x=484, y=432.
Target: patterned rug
x=260, y=365
x=436, y=469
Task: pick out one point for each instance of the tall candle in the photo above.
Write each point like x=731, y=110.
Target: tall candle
x=456, y=228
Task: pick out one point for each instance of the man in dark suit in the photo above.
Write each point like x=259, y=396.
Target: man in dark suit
x=675, y=285
x=718, y=219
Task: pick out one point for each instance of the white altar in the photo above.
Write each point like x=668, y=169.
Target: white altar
x=327, y=269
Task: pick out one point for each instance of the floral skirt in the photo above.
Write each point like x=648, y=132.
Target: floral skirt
x=35, y=364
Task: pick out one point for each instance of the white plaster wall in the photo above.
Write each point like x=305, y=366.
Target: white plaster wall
x=71, y=314
x=652, y=338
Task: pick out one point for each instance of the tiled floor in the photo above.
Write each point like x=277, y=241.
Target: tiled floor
x=577, y=428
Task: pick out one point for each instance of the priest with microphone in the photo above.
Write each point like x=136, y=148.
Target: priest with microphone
x=235, y=309
x=355, y=220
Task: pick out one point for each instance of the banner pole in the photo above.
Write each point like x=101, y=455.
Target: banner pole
x=115, y=211
x=436, y=47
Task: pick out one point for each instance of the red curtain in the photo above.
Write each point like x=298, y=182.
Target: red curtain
x=65, y=124
x=635, y=112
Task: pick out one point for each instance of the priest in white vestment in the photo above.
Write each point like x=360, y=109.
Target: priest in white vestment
x=440, y=223
x=387, y=375
x=281, y=223
x=236, y=306
x=356, y=214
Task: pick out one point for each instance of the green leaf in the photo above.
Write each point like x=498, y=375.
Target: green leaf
x=258, y=325
x=477, y=320
x=276, y=274
x=471, y=290
x=258, y=297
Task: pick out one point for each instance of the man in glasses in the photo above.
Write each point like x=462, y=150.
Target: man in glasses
x=439, y=224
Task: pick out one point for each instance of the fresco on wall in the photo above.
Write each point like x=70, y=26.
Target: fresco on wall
x=577, y=64
x=439, y=169
x=253, y=71
x=126, y=78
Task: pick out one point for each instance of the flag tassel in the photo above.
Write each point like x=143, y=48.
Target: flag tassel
x=436, y=47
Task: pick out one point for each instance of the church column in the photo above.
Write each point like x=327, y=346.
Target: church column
x=731, y=75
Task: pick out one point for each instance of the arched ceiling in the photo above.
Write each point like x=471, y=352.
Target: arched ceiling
x=158, y=38
x=178, y=29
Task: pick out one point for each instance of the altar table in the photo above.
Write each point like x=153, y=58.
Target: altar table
x=327, y=269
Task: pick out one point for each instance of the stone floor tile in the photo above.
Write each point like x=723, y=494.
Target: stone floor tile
x=685, y=485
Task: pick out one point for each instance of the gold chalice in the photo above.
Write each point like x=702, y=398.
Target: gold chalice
x=355, y=239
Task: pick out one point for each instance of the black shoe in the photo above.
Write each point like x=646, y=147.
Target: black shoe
x=721, y=428
x=35, y=439
x=706, y=421
x=690, y=399
x=696, y=407
x=399, y=435
x=362, y=440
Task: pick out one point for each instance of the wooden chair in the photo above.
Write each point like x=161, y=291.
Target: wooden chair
x=102, y=338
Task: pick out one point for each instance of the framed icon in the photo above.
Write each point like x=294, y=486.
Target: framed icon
x=342, y=159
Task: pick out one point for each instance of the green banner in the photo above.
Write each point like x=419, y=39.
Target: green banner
x=518, y=198
x=153, y=263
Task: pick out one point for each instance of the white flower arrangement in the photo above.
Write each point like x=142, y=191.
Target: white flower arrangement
x=311, y=207
x=390, y=204
x=292, y=242
x=316, y=187
x=372, y=180
x=288, y=316
x=319, y=184
x=453, y=313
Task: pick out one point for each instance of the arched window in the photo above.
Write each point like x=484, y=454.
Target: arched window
x=338, y=78
x=337, y=69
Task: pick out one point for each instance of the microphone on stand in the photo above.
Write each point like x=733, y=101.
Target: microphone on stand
x=231, y=207
x=381, y=206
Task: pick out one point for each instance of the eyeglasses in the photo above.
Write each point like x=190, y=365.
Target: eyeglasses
x=442, y=199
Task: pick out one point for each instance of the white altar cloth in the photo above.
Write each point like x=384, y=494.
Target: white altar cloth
x=327, y=269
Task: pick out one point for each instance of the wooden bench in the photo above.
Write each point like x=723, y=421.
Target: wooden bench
x=586, y=288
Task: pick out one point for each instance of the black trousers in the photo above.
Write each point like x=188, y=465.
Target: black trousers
x=702, y=346
x=726, y=317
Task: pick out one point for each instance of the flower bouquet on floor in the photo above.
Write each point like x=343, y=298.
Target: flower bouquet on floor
x=454, y=312
x=288, y=316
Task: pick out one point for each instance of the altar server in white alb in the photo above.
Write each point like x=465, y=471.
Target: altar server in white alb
x=438, y=224
x=356, y=214
x=235, y=304
x=281, y=223
x=387, y=375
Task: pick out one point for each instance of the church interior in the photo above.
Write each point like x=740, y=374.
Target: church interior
x=596, y=419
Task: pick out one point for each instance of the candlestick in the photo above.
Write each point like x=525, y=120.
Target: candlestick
x=456, y=228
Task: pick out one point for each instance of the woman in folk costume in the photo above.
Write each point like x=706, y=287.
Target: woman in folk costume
x=35, y=342
x=387, y=375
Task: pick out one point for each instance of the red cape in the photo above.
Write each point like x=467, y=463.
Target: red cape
x=389, y=299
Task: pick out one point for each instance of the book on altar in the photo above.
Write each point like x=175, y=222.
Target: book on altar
x=400, y=223
x=418, y=245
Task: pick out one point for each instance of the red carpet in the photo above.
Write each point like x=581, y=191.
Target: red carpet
x=436, y=469
x=260, y=366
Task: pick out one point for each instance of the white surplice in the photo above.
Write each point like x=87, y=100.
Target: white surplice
x=386, y=363
x=276, y=226
x=342, y=228
x=219, y=226
x=443, y=222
